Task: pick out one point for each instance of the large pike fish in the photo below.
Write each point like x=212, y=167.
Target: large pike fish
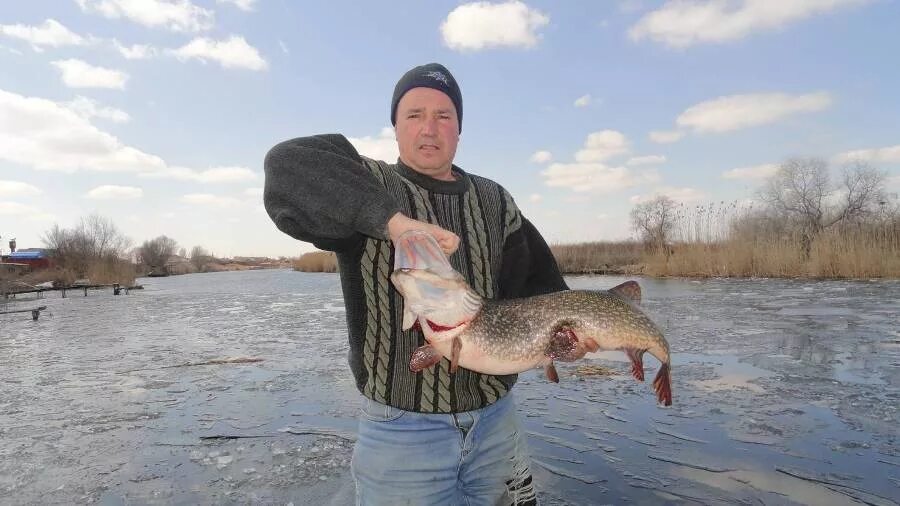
x=512, y=336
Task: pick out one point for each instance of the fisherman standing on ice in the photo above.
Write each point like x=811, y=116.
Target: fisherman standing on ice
x=436, y=437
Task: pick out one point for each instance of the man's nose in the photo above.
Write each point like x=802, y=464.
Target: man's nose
x=430, y=126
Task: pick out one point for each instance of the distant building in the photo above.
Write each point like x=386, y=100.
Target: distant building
x=34, y=258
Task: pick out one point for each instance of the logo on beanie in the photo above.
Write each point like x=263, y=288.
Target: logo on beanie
x=438, y=76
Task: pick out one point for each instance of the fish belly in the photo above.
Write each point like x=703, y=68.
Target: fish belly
x=472, y=358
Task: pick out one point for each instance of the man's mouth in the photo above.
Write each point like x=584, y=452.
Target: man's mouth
x=429, y=147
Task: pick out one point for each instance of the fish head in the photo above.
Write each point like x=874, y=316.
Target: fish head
x=443, y=299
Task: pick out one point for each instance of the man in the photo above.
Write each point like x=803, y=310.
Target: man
x=432, y=437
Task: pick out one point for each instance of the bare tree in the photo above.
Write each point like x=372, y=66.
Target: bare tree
x=801, y=192
x=94, y=238
x=156, y=252
x=864, y=192
x=798, y=190
x=200, y=257
x=654, y=221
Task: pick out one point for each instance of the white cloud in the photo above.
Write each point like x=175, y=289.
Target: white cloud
x=382, y=147
x=175, y=15
x=207, y=199
x=234, y=52
x=89, y=108
x=890, y=154
x=685, y=195
x=583, y=101
x=244, y=5
x=541, y=157
x=135, y=51
x=595, y=177
x=50, y=34
x=479, y=25
x=734, y=112
x=589, y=174
x=283, y=46
x=213, y=175
x=113, y=192
x=682, y=23
x=18, y=189
x=601, y=146
x=79, y=74
x=666, y=136
x=646, y=160
x=602, y=217
x=755, y=172
x=24, y=212
x=47, y=135
x=253, y=192
x=535, y=197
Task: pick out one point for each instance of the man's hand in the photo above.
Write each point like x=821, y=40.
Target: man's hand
x=398, y=224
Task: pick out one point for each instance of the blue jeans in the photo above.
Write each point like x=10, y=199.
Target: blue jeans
x=472, y=458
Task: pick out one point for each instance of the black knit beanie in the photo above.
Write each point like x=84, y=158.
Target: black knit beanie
x=430, y=75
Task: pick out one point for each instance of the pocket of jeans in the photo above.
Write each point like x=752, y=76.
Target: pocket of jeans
x=377, y=412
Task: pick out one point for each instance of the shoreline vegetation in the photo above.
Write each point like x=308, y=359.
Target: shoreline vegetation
x=803, y=223
x=853, y=252
x=806, y=220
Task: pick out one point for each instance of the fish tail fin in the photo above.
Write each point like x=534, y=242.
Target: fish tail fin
x=637, y=362
x=662, y=384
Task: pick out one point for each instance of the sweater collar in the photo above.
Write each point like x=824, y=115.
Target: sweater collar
x=455, y=187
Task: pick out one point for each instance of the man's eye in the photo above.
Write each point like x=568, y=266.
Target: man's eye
x=414, y=115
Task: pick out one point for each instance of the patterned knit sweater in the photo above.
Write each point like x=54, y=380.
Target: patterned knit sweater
x=319, y=189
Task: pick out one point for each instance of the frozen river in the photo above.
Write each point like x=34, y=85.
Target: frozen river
x=785, y=392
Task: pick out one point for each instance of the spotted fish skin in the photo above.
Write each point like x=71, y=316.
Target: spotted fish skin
x=523, y=329
x=512, y=336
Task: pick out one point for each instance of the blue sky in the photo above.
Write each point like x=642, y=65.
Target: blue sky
x=158, y=113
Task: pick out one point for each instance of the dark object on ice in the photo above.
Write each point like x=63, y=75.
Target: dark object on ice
x=35, y=313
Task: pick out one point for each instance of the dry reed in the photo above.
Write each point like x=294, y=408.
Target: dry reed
x=317, y=261
x=111, y=270
x=599, y=257
x=728, y=240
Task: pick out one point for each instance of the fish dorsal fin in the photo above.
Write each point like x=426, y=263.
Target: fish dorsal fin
x=628, y=290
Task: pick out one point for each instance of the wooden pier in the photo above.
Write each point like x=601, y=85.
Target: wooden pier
x=117, y=289
x=35, y=312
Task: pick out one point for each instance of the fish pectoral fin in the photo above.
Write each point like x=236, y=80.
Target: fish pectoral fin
x=550, y=371
x=454, y=354
x=662, y=384
x=424, y=357
x=637, y=362
x=629, y=290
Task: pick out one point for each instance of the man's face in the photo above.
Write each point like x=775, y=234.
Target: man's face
x=427, y=132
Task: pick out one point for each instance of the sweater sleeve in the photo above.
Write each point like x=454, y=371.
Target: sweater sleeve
x=528, y=266
x=318, y=190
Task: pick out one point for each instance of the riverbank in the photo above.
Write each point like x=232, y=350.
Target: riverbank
x=862, y=252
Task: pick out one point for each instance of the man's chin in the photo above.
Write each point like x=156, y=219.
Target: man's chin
x=430, y=166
